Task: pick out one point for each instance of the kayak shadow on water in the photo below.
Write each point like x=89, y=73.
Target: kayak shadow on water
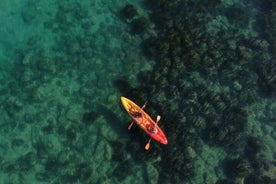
x=135, y=135
x=112, y=119
x=115, y=122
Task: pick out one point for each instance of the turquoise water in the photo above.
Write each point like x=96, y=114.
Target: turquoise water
x=208, y=68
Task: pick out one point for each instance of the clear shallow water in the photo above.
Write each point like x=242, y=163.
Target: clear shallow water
x=65, y=64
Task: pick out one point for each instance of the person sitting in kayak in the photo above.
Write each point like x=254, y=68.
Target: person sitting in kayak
x=151, y=128
x=135, y=114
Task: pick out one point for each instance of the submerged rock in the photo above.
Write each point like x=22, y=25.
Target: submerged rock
x=27, y=76
x=28, y=59
x=83, y=171
x=255, y=145
x=42, y=93
x=225, y=181
x=237, y=168
x=256, y=179
x=191, y=152
x=237, y=16
x=129, y=11
x=153, y=174
x=89, y=117
x=267, y=78
x=74, y=114
x=139, y=25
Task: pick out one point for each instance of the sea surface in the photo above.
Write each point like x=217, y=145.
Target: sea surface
x=207, y=68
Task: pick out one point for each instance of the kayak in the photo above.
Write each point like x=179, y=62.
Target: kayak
x=144, y=121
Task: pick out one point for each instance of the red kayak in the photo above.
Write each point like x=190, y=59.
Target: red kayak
x=144, y=121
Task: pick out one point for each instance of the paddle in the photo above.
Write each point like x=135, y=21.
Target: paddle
x=148, y=144
x=144, y=106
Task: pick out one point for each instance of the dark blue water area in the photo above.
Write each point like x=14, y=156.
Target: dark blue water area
x=206, y=67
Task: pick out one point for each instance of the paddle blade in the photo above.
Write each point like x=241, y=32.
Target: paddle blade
x=158, y=118
x=130, y=125
x=147, y=146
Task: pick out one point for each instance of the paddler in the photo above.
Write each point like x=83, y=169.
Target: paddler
x=134, y=113
x=151, y=128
